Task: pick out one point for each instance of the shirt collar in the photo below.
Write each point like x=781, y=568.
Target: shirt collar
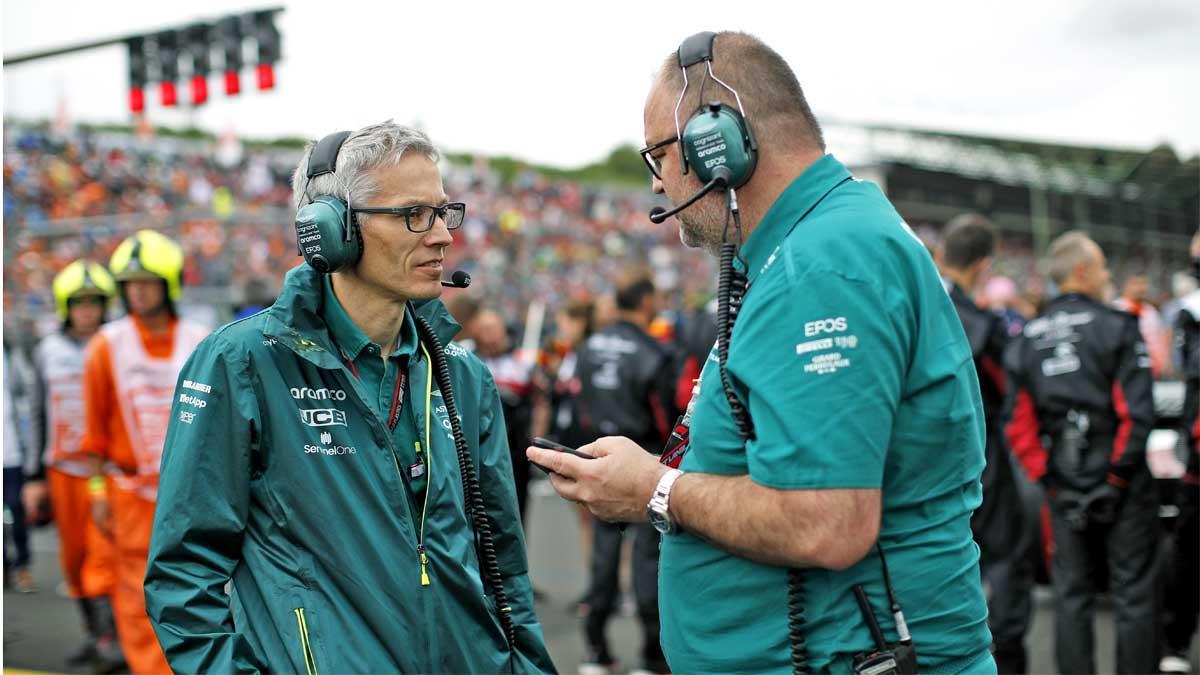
x=349, y=338
x=792, y=205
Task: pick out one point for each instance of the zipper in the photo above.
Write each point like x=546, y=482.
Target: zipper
x=424, y=510
x=422, y=557
x=310, y=662
x=428, y=462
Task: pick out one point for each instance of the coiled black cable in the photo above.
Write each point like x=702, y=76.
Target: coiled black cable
x=726, y=314
x=472, y=496
x=731, y=292
x=797, y=637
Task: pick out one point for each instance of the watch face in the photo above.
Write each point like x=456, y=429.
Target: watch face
x=659, y=521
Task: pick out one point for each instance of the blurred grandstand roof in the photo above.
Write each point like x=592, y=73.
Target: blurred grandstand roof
x=1097, y=171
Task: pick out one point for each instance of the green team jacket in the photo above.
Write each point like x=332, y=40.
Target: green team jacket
x=278, y=475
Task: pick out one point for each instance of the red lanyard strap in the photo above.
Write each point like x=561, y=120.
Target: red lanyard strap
x=397, y=394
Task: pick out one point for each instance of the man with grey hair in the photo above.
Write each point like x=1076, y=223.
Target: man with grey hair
x=316, y=461
x=1081, y=414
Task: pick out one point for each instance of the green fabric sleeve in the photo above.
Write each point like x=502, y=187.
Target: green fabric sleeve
x=203, y=501
x=821, y=365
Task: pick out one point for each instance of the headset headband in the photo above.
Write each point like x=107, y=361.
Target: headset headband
x=696, y=48
x=323, y=158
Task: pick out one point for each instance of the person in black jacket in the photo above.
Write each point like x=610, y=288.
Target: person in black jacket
x=627, y=383
x=1183, y=600
x=1005, y=525
x=1082, y=413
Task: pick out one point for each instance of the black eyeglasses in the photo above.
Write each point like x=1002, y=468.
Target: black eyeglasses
x=420, y=218
x=651, y=161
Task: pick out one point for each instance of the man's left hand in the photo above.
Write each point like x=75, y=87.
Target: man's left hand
x=616, y=486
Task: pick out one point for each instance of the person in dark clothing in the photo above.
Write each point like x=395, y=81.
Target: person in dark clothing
x=1005, y=525
x=626, y=388
x=515, y=383
x=1082, y=414
x=696, y=338
x=1183, y=602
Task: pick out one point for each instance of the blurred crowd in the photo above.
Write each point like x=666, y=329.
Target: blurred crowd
x=549, y=258
x=79, y=193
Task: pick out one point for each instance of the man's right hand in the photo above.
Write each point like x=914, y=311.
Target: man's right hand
x=102, y=514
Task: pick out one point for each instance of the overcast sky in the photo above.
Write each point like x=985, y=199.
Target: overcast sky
x=563, y=82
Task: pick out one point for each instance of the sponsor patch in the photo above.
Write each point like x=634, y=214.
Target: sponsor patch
x=198, y=386
x=833, y=324
x=827, y=364
x=323, y=417
x=194, y=401
x=186, y=417
x=322, y=394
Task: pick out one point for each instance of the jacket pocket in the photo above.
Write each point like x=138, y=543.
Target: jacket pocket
x=304, y=643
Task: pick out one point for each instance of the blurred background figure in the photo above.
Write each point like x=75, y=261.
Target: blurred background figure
x=1083, y=412
x=59, y=483
x=627, y=381
x=514, y=376
x=1182, y=600
x=17, y=574
x=130, y=373
x=1004, y=527
x=1134, y=299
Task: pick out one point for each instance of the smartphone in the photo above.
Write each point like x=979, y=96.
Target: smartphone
x=551, y=445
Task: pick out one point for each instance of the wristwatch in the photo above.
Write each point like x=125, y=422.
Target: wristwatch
x=658, y=509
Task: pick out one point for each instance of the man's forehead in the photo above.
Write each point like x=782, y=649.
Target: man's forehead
x=657, y=117
x=415, y=181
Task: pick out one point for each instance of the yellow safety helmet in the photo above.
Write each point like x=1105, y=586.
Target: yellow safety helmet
x=149, y=255
x=81, y=279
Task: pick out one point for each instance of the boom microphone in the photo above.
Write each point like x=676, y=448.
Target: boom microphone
x=719, y=182
x=459, y=279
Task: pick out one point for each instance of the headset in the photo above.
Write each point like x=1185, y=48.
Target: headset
x=716, y=141
x=327, y=237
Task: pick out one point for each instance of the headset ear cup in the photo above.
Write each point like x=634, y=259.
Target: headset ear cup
x=718, y=135
x=320, y=235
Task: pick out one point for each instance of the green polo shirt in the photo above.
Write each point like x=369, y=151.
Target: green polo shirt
x=857, y=374
x=377, y=381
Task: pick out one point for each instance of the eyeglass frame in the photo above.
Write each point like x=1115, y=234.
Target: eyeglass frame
x=649, y=160
x=407, y=212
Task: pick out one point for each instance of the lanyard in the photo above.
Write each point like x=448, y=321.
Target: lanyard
x=397, y=394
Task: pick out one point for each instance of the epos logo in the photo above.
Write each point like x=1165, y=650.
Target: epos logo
x=830, y=325
x=323, y=417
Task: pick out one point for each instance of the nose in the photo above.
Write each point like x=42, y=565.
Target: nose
x=656, y=185
x=438, y=235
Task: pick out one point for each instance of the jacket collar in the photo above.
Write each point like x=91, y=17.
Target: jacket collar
x=296, y=320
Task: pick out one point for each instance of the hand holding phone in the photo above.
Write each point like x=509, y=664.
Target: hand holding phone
x=547, y=444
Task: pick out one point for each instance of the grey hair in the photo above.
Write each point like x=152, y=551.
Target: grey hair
x=364, y=151
x=1065, y=253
